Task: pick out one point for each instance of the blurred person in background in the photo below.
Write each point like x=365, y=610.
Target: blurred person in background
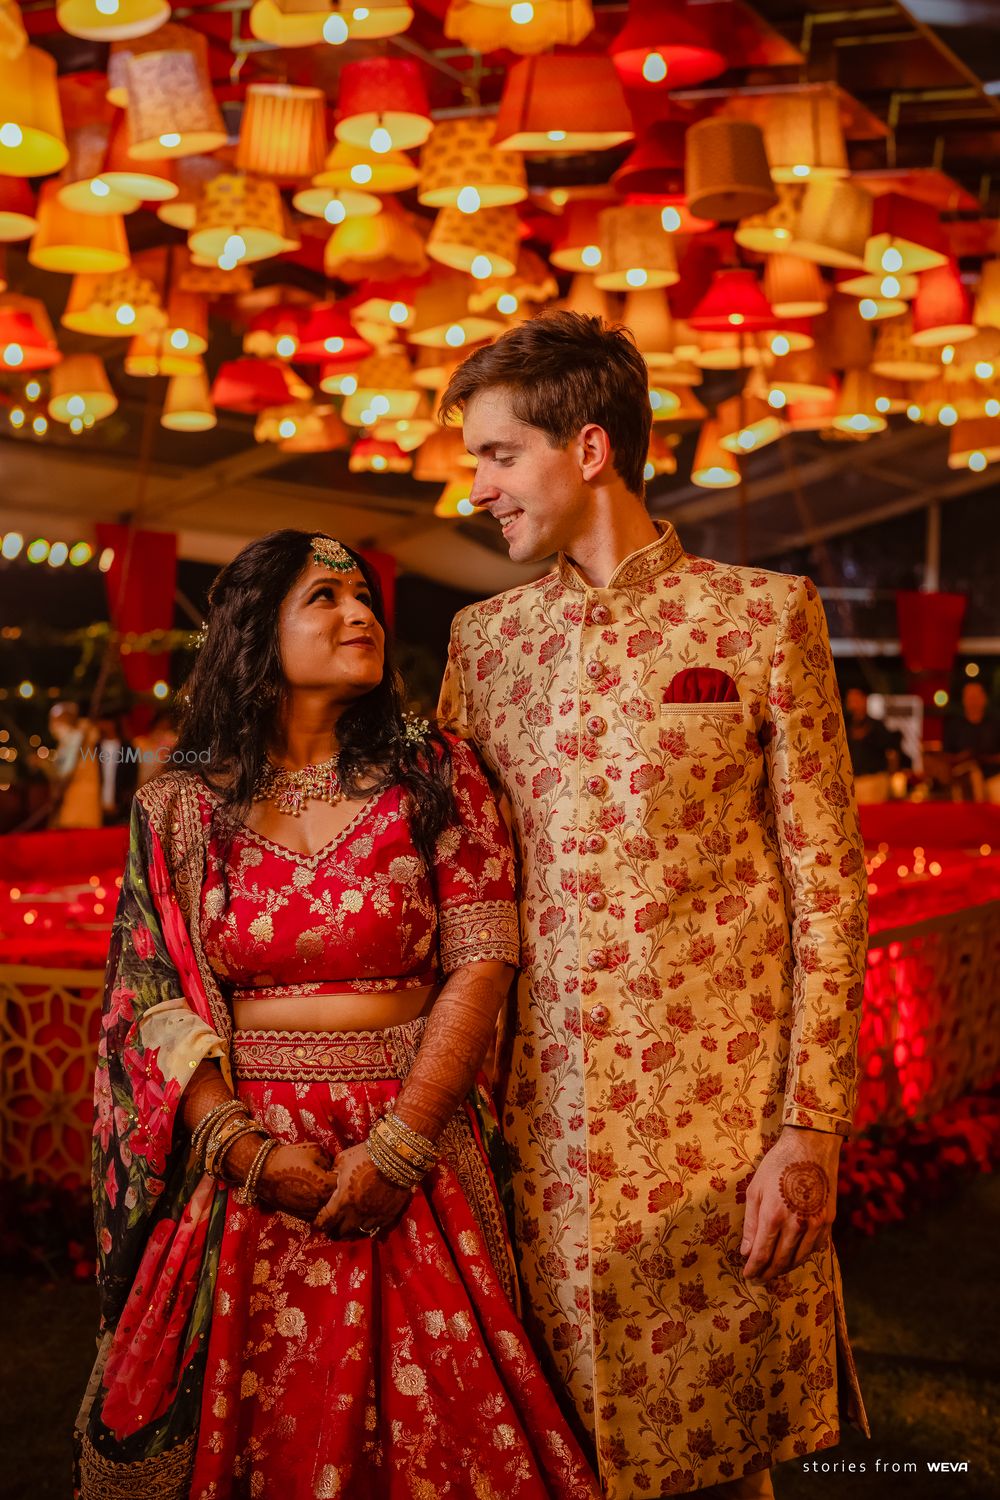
x=874, y=749
x=154, y=746
x=117, y=768
x=74, y=768
x=972, y=742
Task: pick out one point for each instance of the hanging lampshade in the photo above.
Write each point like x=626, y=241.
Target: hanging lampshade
x=974, y=445
x=71, y=242
x=13, y=34
x=292, y=23
x=532, y=283
x=844, y=338
x=647, y=314
x=587, y=299
x=291, y=422
x=578, y=246
x=334, y=205
x=383, y=104
x=733, y=301
x=726, y=171
x=155, y=180
x=540, y=106
x=250, y=385
x=275, y=331
x=661, y=456
x=146, y=358
x=942, y=308
x=655, y=165
x=906, y=236
x=385, y=386
x=461, y=168
x=987, y=310
x=897, y=357
x=773, y=231
x=348, y=166
x=4, y=280
x=792, y=335
x=835, y=222
x=484, y=244
x=234, y=207
x=317, y=430
x=455, y=500
x=803, y=137
x=375, y=19
x=729, y=351
x=388, y=303
x=880, y=296
x=441, y=456
x=794, y=287
x=713, y=468
x=635, y=251
x=192, y=172
x=124, y=302
x=950, y=398
x=169, y=36
x=327, y=333
x=32, y=138
x=815, y=415
x=982, y=350
x=441, y=317
x=407, y=432
x=747, y=423
x=27, y=338
x=797, y=377
x=82, y=187
x=891, y=396
x=664, y=403
x=689, y=410
x=386, y=246
x=857, y=412
x=283, y=131
x=186, y=328
x=17, y=210
x=187, y=406
x=111, y=20
x=171, y=108
x=79, y=387
x=435, y=367
x=667, y=44
x=370, y=456
x=485, y=26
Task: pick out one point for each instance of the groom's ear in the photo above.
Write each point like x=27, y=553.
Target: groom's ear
x=596, y=454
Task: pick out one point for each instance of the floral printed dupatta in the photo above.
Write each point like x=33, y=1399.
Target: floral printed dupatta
x=159, y=1218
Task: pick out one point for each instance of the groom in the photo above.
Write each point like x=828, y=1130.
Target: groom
x=668, y=732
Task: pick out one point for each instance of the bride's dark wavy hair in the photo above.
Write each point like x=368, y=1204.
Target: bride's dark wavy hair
x=233, y=696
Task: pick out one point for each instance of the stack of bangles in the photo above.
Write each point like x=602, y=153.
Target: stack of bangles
x=216, y=1132
x=400, y=1153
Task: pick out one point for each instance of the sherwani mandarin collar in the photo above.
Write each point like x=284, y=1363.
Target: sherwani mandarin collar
x=640, y=567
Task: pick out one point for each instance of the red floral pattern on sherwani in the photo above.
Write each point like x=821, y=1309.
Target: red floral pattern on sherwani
x=693, y=936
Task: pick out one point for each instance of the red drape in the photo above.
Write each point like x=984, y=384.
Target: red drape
x=141, y=584
x=929, y=629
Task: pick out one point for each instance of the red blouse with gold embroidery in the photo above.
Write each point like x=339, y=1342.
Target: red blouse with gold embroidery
x=364, y=913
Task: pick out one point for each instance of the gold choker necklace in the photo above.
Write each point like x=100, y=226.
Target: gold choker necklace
x=291, y=790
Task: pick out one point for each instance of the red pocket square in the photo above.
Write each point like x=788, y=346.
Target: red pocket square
x=701, y=685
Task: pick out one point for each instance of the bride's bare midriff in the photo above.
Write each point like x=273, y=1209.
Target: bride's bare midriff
x=334, y=1012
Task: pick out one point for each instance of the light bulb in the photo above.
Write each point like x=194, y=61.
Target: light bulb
x=801, y=170
x=76, y=426
x=107, y=7
x=287, y=428
x=58, y=554
x=654, y=67
x=170, y=140
x=360, y=13
x=507, y=303
x=40, y=426
x=11, y=134
x=16, y=417
x=361, y=173
x=992, y=407
x=12, y=544
x=892, y=261
x=32, y=390
x=125, y=315
x=523, y=13
x=780, y=344
x=670, y=219
x=380, y=140
x=868, y=309
x=655, y=400
x=590, y=255
x=455, y=336
x=334, y=345
x=286, y=346
x=468, y=200
x=636, y=276
x=80, y=553
x=777, y=399
x=984, y=370
x=235, y=247
x=465, y=506
x=380, y=405
x=368, y=417
x=227, y=262
x=335, y=30
x=737, y=320
x=649, y=472
x=948, y=354
x=914, y=412
x=882, y=404
x=555, y=136
x=481, y=267
x=179, y=338
x=378, y=462
x=76, y=406
x=335, y=212
x=348, y=385
x=746, y=439
x=947, y=416
x=99, y=188
x=13, y=355
x=398, y=312
x=890, y=286
x=977, y=461
x=859, y=422
x=781, y=233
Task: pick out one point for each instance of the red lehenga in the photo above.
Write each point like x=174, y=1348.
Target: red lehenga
x=245, y=1353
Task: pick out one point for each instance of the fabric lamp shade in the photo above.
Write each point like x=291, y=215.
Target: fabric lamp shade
x=186, y=330
x=319, y=430
x=191, y=174
x=247, y=209
x=441, y=456
x=747, y=423
x=794, y=287
x=283, y=131
x=275, y=332
x=949, y=398
x=385, y=383
x=327, y=333
x=773, y=231
x=17, y=210
x=942, y=308
x=689, y=409
x=383, y=104
x=734, y=301
x=334, y=205
x=408, y=432
x=803, y=137
x=906, y=236
x=168, y=37
x=171, y=108
x=578, y=247
x=187, y=406
x=349, y=166
x=251, y=385
x=857, y=412
x=813, y=415
x=441, y=317
x=27, y=338
x=661, y=456
x=882, y=295
x=111, y=20
x=974, y=445
x=461, y=168
x=834, y=223
x=455, y=500
x=32, y=137
x=283, y=424
x=13, y=34
x=586, y=298
x=655, y=165
x=532, y=282
x=434, y=367
x=987, y=309
x=484, y=243
x=151, y=181
x=636, y=251
x=663, y=402
x=666, y=44
x=726, y=170
x=386, y=246
x=79, y=387
x=124, y=302
x=714, y=468
x=798, y=377
x=844, y=338
x=647, y=314
x=71, y=242
x=374, y=19
x=897, y=357
x=540, y=106
x=486, y=26
x=791, y=335
x=729, y=351
x=290, y=23
x=82, y=186
x=371, y=456
x=147, y=357
x=891, y=396
x=387, y=303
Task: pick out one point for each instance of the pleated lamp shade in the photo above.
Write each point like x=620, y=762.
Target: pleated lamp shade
x=484, y=243
x=647, y=314
x=171, y=108
x=461, y=168
x=455, y=499
x=666, y=44
x=292, y=23
x=834, y=223
x=794, y=287
x=17, y=210
x=498, y=25
x=250, y=385
x=798, y=377
x=386, y=247
x=168, y=37
x=747, y=423
x=111, y=20
x=441, y=455
x=942, y=308
x=661, y=457
x=82, y=186
x=283, y=131
x=714, y=468
x=586, y=298
x=349, y=166
x=974, y=445
x=370, y=456
x=192, y=172
x=71, y=242
x=578, y=247
x=540, y=108
x=803, y=137
x=146, y=358
x=726, y=170
x=124, y=302
x=773, y=231
x=897, y=357
x=27, y=338
x=79, y=387
x=635, y=249
x=187, y=406
x=334, y=205
x=441, y=317
x=987, y=310
x=734, y=301
x=383, y=104
x=33, y=140
x=906, y=236
x=233, y=206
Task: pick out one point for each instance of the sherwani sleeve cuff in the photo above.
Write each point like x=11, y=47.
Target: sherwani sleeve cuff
x=816, y=1119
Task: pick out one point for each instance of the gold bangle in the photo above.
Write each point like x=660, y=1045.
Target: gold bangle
x=213, y=1116
x=250, y=1127
x=220, y=1138
x=419, y=1148
x=247, y=1194
x=393, y=1166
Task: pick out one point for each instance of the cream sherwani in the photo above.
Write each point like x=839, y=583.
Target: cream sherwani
x=694, y=921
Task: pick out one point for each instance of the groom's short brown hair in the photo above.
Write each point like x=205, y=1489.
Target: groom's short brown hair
x=563, y=370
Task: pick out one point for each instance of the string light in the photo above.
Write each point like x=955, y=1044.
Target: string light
x=11, y=545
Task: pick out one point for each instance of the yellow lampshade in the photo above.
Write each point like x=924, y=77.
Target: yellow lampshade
x=334, y=205
x=187, y=406
x=192, y=172
x=690, y=410
x=374, y=19
x=441, y=317
x=797, y=377
x=730, y=351
x=484, y=243
x=171, y=107
x=586, y=298
x=531, y=284
x=283, y=131
x=906, y=237
x=857, y=412
x=290, y=23
x=441, y=456
x=773, y=231
x=384, y=247
x=79, y=387
x=124, y=302
x=349, y=166
x=146, y=358
x=385, y=389
x=974, y=445
x=186, y=329
x=295, y=424
x=461, y=168
x=317, y=430
x=525, y=29
x=747, y=423
x=17, y=210
x=578, y=246
x=713, y=468
x=13, y=35
x=802, y=136
x=111, y=20
x=371, y=456
x=82, y=185
x=32, y=138
x=794, y=287
x=408, y=432
x=636, y=251
x=454, y=500
x=236, y=208
x=834, y=223
x=647, y=314
x=897, y=357
x=72, y=242
x=664, y=403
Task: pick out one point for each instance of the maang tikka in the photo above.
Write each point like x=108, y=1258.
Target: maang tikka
x=330, y=554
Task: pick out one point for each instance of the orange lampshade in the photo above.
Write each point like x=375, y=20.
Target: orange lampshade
x=667, y=44
x=814, y=415
x=974, y=445
x=655, y=165
x=374, y=19
x=897, y=357
x=17, y=210
x=385, y=387
x=171, y=107
x=636, y=251
x=689, y=409
x=483, y=244
x=334, y=205
x=906, y=237
x=32, y=138
x=441, y=456
x=79, y=387
x=349, y=166
x=455, y=500
x=729, y=351
x=386, y=246
x=540, y=106
x=881, y=295
x=186, y=329
x=111, y=20
x=122, y=302
x=27, y=338
x=791, y=335
x=146, y=358
x=733, y=302
x=794, y=287
x=317, y=430
x=292, y=23
x=803, y=137
x=835, y=222
x=726, y=170
x=647, y=314
x=586, y=298
x=987, y=311
x=408, y=432
x=773, y=231
x=532, y=282
x=797, y=377
x=714, y=468
x=151, y=181
x=371, y=456
x=747, y=423
x=661, y=456
x=461, y=168
x=844, y=338
x=524, y=29
x=72, y=242
x=191, y=173
x=251, y=385
x=383, y=104
x=82, y=186
x=942, y=308
x=187, y=406
x=441, y=317
x=664, y=402
x=283, y=131
x=239, y=218
x=284, y=424
x=578, y=245
x=168, y=37
x=857, y=412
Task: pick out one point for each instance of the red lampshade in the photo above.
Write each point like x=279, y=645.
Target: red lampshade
x=942, y=308
x=578, y=246
x=906, y=236
x=540, y=109
x=655, y=165
x=250, y=385
x=386, y=93
x=328, y=334
x=27, y=341
x=666, y=43
x=734, y=302
x=378, y=456
x=17, y=209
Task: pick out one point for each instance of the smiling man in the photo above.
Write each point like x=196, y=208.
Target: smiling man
x=668, y=733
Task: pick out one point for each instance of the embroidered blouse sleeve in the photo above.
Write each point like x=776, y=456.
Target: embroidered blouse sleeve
x=474, y=873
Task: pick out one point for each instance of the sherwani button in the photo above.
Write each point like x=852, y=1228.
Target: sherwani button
x=600, y=614
x=595, y=843
x=596, y=786
x=599, y=1015
x=597, y=901
x=596, y=958
x=596, y=725
x=595, y=670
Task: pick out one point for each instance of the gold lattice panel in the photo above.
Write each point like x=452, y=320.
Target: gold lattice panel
x=49, y=1026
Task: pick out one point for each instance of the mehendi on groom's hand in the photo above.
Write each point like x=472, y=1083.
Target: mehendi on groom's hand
x=791, y=1203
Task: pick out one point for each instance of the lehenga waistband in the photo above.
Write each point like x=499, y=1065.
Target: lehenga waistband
x=327, y=1056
